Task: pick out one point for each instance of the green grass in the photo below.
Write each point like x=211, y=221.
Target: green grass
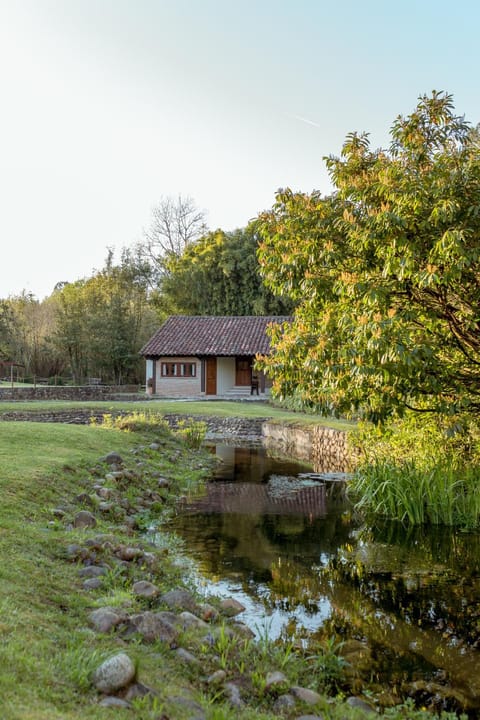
x=39, y=608
x=219, y=408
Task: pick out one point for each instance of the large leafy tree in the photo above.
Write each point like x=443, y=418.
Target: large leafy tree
x=102, y=321
x=386, y=271
x=219, y=274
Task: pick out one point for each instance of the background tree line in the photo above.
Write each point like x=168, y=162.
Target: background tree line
x=95, y=326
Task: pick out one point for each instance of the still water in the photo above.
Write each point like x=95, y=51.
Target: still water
x=285, y=543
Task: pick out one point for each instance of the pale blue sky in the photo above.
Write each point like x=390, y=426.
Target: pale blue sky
x=107, y=105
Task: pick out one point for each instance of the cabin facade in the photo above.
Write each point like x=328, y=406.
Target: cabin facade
x=208, y=356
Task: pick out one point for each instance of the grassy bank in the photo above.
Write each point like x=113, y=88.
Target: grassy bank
x=40, y=609
x=48, y=649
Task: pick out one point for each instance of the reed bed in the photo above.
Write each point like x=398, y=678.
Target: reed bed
x=418, y=474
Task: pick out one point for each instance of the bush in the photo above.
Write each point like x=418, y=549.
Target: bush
x=144, y=422
x=56, y=380
x=192, y=432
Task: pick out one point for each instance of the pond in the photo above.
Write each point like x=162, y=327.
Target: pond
x=286, y=544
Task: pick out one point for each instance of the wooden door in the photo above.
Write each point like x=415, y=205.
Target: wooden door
x=243, y=371
x=211, y=385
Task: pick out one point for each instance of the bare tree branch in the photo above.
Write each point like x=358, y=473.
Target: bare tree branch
x=176, y=222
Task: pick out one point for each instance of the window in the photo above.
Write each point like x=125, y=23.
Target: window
x=176, y=369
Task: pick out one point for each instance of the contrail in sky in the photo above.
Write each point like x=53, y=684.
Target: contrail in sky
x=305, y=120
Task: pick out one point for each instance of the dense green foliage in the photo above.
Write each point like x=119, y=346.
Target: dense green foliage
x=386, y=271
x=91, y=327
x=219, y=274
x=102, y=322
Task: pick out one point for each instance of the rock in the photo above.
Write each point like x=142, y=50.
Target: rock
x=112, y=701
x=113, y=458
x=105, y=507
x=179, y=600
x=360, y=704
x=151, y=626
x=242, y=630
x=93, y=583
x=58, y=513
x=231, y=607
x=138, y=690
x=310, y=717
x=145, y=589
x=115, y=673
x=217, y=633
x=309, y=697
x=189, y=620
x=85, y=498
x=284, y=702
x=169, y=617
x=217, y=678
x=233, y=695
x=275, y=680
x=186, y=657
x=128, y=553
x=149, y=559
x=91, y=571
x=84, y=519
x=104, y=619
x=207, y=612
x=105, y=493
x=75, y=552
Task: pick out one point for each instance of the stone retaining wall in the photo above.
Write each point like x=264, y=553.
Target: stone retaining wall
x=235, y=429
x=324, y=447
x=72, y=392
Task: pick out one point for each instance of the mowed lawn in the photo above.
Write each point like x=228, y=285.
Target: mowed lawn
x=39, y=606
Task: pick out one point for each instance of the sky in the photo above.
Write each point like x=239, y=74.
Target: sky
x=108, y=106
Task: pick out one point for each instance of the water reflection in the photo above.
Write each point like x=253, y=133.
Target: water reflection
x=289, y=549
x=257, y=533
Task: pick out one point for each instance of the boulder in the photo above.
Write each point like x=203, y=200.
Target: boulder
x=152, y=626
x=114, y=674
x=84, y=519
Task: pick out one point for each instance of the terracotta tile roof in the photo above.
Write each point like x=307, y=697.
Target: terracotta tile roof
x=212, y=335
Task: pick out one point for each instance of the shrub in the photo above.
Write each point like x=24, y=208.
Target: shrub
x=144, y=422
x=192, y=432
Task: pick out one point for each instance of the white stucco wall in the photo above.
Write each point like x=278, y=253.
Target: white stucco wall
x=225, y=374
x=148, y=370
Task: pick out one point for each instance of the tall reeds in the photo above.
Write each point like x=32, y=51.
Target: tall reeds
x=419, y=473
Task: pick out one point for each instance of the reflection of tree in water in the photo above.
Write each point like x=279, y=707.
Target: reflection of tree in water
x=409, y=598
x=256, y=547
x=429, y=579
x=413, y=598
